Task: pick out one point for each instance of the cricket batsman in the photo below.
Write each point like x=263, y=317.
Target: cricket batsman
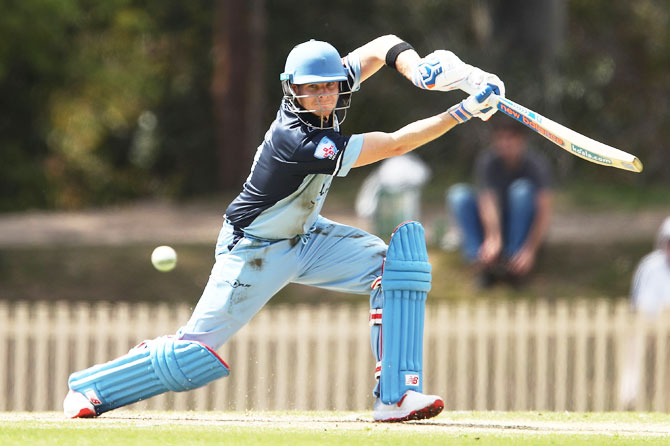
x=273, y=235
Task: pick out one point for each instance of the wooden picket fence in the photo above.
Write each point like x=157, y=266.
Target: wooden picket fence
x=511, y=355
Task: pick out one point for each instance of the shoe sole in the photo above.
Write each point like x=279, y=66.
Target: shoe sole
x=422, y=414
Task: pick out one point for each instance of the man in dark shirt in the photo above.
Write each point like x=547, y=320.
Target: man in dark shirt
x=505, y=220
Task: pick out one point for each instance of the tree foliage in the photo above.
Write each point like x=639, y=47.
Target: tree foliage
x=108, y=101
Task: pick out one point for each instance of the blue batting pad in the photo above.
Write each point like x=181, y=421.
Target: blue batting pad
x=405, y=284
x=159, y=365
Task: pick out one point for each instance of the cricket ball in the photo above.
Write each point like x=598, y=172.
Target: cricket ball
x=164, y=258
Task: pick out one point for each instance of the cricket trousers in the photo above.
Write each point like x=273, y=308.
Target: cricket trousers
x=250, y=271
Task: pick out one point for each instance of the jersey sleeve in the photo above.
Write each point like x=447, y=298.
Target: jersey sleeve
x=352, y=64
x=350, y=155
x=325, y=152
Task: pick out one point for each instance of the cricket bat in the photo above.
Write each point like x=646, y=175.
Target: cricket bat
x=571, y=141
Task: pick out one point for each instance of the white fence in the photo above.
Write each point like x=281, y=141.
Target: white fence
x=567, y=355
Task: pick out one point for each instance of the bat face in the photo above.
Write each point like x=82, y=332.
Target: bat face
x=571, y=141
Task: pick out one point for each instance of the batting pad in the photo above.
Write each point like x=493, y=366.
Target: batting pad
x=405, y=284
x=154, y=367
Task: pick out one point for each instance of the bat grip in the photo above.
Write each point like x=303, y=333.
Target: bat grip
x=484, y=94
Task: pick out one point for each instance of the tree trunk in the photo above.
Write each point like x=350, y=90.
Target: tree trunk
x=237, y=86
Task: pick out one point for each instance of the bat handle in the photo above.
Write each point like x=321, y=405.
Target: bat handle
x=484, y=94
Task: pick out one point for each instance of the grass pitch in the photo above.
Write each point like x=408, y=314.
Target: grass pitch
x=333, y=428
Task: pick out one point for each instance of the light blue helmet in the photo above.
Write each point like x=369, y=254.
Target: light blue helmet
x=312, y=62
x=315, y=62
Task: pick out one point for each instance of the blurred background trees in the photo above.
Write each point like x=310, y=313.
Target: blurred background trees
x=109, y=101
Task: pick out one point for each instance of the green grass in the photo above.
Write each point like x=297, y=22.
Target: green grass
x=334, y=428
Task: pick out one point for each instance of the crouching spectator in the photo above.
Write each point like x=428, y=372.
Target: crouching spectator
x=505, y=218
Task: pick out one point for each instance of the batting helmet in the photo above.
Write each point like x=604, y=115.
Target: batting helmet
x=312, y=62
x=315, y=62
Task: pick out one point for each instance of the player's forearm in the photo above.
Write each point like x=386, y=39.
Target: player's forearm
x=373, y=56
x=406, y=62
x=379, y=145
x=421, y=132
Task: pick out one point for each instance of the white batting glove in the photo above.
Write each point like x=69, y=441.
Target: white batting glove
x=476, y=81
x=442, y=70
x=474, y=105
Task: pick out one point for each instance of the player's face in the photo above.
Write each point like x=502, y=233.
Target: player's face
x=319, y=98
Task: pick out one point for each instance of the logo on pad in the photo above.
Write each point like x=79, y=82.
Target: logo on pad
x=326, y=149
x=93, y=398
x=411, y=380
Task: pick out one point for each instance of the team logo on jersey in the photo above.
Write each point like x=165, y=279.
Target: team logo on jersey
x=325, y=149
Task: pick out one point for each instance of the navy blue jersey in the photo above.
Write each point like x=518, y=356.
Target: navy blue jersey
x=292, y=172
x=492, y=174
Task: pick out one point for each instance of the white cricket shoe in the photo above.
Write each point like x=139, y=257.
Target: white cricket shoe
x=76, y=405
x=412, y=406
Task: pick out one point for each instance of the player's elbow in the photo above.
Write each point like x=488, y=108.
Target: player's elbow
x=398, y=144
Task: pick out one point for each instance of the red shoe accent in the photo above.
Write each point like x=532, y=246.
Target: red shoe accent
x=85, y=413
x=401, y=400
x=422, y=414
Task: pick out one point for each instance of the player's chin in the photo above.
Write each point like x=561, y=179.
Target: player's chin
x=326, y=110
x=325, y=114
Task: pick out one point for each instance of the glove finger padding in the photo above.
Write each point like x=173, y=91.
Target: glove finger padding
x=486, y=114
x=474, y=105
x=498, y=88
x=477, y=79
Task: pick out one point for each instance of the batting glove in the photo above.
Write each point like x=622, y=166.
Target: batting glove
x=474, y=105
x=442, y=70
x=476, y=81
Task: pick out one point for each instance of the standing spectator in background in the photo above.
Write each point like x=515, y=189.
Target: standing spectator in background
x=391, y=194
x=650, y=291
x=650, y=296
x=504, y=221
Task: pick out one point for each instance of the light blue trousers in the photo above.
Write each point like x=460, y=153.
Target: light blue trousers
x=331, y=256
x=517, y=217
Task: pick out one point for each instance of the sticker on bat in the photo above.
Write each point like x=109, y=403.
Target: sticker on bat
x=590, y=155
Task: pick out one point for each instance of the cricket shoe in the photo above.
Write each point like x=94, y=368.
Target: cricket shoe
x=412, y=406
x=76, y=405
